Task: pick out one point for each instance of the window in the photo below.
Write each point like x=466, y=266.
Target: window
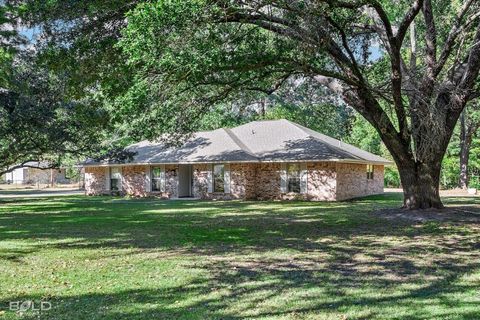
x=293, y=177
x=219, y=178
x=156, y=179
x=369, y=171
x=115, y=179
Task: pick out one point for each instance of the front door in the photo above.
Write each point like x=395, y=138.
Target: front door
x=184, y=180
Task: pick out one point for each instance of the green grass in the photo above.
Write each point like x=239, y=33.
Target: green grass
x=113, y=258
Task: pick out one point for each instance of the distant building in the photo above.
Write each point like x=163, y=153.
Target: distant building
x=41, y=174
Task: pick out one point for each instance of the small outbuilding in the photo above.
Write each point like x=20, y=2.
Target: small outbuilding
x=36, y=172
x=259, y=160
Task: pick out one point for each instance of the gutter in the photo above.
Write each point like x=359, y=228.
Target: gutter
x=386, y=163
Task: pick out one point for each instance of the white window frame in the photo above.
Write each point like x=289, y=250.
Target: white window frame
x=223, y=178
x=370, y=172
x=120, y=187
x=303, y=177
x=299, y=177
x=162, y=178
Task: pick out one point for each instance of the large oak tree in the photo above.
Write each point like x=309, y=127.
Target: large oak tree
x=197, y=53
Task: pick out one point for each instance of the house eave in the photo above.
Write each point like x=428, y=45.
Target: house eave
x=355, y=161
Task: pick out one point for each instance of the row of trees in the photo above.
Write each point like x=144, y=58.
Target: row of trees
x=151, y=67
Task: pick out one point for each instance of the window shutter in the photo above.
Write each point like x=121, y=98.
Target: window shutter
x=107, y=178
x=148, y=179
x=226, y=178
x=283, y=178
x=163, y=178
x=210, y=178
x=303, y=178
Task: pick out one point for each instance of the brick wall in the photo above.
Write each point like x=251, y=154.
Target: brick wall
x=352, y=181
x=262, y=181
x=325, y=181
x=242, y=182
x=200, y=180
x=321, y=181
x=267, y=183
x=133, y=181
x=95, y=180
x=171, y=181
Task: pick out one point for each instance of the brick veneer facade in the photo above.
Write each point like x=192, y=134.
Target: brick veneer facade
x=95, y=181
x=326, y=181
x=352, y=181
x=171, y=181
x=321, y=181
x=133, y=181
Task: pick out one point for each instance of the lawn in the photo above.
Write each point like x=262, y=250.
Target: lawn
x=115, y=258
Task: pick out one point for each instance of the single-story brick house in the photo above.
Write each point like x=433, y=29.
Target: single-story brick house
x=258, y=160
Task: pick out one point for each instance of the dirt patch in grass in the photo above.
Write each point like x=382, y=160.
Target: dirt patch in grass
x=450, y=213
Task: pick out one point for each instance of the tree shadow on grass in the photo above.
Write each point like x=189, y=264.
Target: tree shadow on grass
x=246, y=291
x=262, y=259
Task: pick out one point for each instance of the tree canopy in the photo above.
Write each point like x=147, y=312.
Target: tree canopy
x=38, y=120
x=408, y=67
x=191, y=54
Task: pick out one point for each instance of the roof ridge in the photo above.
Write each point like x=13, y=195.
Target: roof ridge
x=239, y=142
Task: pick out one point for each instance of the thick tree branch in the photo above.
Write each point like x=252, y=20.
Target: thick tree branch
x=345, y=45
x=368, y=107
x=295, y=33
x=407, y=20
x=431, y=46
x=473, y=66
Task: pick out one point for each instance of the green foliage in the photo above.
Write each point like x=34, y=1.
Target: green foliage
x=81, y=41
x=37, y=123
x=474, y=182
x=222, y=116
x=364, y=136
x=451, y=162
x=392, y=177
x=179, y=66
x=186, y=60
x=304, y=103
x=326, y=118
x=6, y=60
x=450, y=171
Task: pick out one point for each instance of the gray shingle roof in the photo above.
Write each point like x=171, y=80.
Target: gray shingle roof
x=257, y=141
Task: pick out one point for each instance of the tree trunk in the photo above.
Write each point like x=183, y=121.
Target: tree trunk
x=420, y=183
x=464, y=158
